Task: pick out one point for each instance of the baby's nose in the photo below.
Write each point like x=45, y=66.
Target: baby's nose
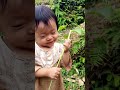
x=49, y=37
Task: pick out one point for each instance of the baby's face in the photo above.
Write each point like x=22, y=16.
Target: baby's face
x=46, y=35
x=18, y=25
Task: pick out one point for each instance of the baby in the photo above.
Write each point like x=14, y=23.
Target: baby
x=48, y=51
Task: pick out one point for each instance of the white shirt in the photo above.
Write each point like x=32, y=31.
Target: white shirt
x=48, y=58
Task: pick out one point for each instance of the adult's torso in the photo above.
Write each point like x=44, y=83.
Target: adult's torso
x=16, y=73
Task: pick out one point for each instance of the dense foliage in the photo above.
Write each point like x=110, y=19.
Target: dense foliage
x=69, y=12
x=103, y=69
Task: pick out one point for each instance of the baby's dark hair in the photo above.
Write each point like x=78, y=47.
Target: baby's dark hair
x=44, y=14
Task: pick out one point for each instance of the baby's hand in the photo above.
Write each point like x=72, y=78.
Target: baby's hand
x=67, y=44
x=54, y=72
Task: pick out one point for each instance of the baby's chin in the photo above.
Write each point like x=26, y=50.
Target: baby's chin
x=50, y=46
x=46, y=47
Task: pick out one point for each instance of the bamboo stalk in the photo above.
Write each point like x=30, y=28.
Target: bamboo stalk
x=69, y=34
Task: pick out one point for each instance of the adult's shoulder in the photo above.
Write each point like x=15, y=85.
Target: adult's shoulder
x=1, y=41
x=2, y=45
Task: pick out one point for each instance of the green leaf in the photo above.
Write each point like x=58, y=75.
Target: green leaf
x=106, y=88
x=61, y=28
x=79, y=30
x=109, y=77
x=98, y=88
x=116, y=80
x=75, y=47
x=82, y=59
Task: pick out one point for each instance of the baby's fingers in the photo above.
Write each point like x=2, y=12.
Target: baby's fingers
x=58, y=69
x=68, y=41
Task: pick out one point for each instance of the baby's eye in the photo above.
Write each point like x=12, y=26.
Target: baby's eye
x=42, y=36
x=53, y=32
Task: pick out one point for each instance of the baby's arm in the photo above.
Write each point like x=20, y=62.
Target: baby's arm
x=67, y=61
x=52, y=73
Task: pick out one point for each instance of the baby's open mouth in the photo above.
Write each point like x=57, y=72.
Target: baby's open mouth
x=50, y=42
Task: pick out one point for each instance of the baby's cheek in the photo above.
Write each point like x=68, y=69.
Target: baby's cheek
x=56, y=36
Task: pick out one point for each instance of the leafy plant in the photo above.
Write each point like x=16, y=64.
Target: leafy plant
x=103, y=57
x=74, y=78
x=70, y=13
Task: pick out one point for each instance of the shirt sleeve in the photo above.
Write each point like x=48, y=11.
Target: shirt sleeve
x=37, y=56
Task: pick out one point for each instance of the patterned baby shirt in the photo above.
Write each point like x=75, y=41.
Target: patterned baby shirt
x=47, y=59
